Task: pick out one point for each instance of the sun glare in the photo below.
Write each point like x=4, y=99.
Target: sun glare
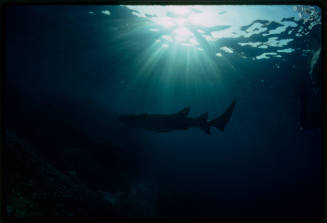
x=178, y=20
x=166, y=22
x=180, y=10
x=198, y=40
x=183, y=32
x=198, y=27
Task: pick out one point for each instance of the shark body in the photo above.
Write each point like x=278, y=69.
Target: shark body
x=178, y=121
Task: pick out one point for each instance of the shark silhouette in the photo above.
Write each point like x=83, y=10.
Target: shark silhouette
x=178, y=121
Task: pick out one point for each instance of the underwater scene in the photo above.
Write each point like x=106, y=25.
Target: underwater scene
x=152, y=111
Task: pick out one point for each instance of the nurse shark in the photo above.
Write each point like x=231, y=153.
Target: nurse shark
x=178, y=121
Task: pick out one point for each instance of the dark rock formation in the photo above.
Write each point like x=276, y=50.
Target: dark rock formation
x=33, y=187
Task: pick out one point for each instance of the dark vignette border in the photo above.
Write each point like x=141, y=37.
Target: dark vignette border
x=4, y=3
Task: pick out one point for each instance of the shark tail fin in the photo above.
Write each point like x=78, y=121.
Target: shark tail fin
x=222, y=120
x=203, y=123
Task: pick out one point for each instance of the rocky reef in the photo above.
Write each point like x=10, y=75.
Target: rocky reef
x=34, y=187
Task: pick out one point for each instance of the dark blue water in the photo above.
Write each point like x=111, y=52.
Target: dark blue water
x=70, y=74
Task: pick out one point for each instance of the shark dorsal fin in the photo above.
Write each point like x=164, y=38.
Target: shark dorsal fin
x=184, y=111
x=203, y=117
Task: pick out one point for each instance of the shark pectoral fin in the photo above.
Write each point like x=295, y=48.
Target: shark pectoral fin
x=206, y=128
x=184, y=111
